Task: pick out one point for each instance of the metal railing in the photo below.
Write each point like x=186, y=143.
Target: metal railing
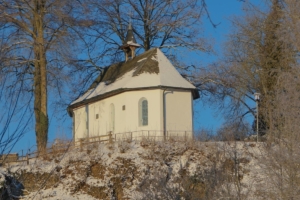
x=154, y=134
x=61, y=146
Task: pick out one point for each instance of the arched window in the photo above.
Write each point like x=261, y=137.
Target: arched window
x=112, y=117
x=143, y=112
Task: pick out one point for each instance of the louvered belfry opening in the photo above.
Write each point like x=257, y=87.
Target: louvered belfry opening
x=130, y=44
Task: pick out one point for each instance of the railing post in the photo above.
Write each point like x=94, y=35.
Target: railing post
x=80, y=144
x=167, y=136
x=110, y=138
x=27, y=159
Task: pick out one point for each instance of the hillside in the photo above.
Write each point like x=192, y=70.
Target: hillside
x=145, y=170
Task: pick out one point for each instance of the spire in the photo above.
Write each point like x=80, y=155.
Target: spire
x=130, y=37
x=130, y=44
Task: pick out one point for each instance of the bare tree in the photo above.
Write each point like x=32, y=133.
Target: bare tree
x=12, y=114
x=257, y=52
x=292, y=14
x=35, y=41
x=233, y=131
x=156, y=23
x=281, y=160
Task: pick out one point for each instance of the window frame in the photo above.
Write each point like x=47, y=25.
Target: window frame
x=143, y=117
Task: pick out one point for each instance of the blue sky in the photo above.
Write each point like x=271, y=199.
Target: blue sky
x=220, y=12
x=205, y=117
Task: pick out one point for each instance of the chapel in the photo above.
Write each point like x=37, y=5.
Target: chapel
x=144, y=94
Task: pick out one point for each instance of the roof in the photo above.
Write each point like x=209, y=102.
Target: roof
x=149, y=70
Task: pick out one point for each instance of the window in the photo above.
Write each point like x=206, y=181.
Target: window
x=112, y=117
x=143, y=112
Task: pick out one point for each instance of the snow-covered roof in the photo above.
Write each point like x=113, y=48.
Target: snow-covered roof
x=148, y=70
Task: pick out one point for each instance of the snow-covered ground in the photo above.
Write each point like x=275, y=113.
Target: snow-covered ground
x=144, y=170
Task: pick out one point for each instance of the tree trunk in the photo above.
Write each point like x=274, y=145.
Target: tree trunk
x=40, y=78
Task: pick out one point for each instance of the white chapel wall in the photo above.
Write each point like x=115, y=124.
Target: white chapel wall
x=80, y=119
x=125, y=120
x=179, y=112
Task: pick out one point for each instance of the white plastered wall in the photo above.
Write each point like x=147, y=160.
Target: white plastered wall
x=125, y=120
x=179, y=112
x=80, y=119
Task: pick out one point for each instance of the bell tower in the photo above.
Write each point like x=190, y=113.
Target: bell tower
x=130, y=45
